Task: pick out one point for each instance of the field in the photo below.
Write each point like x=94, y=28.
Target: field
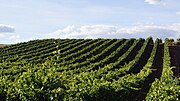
x=2, y=45
x=90, y=70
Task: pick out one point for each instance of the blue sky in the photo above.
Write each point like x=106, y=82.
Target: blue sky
x=24, y=20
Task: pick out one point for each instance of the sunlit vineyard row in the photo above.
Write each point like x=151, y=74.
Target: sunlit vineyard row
x=88, y=70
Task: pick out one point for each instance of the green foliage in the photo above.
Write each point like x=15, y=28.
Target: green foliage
x=83, y=70
x=167, y=88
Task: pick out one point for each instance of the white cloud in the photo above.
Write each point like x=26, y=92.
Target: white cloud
x=6, y=28
x=153, y=2
x=107, y=31
x=7, y=32
x=8, y=35
x=2, y=35
x=178, y=13
x=16, y=36
x=9, y=38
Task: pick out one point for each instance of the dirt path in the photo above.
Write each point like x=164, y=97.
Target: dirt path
x=157, y=66
x=175, y=59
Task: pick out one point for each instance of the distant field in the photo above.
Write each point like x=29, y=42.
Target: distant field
x=2, y=45
x=90, y=70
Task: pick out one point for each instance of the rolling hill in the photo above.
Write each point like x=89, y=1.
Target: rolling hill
x=90, y=70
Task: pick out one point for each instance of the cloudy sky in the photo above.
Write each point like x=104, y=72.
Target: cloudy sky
x=24, y=20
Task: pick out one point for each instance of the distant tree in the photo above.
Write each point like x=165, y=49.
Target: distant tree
x=178, y=41
x=171, y=41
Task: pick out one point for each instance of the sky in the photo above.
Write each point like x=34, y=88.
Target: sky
x=24, y=20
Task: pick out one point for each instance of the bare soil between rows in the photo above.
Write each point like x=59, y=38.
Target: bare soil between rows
x=175, y=59
x=157, y=66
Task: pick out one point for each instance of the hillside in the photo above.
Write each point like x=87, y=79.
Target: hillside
x=2, y=45
x=90, y=70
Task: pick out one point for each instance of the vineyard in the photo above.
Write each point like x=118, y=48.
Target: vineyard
x=90, y=70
